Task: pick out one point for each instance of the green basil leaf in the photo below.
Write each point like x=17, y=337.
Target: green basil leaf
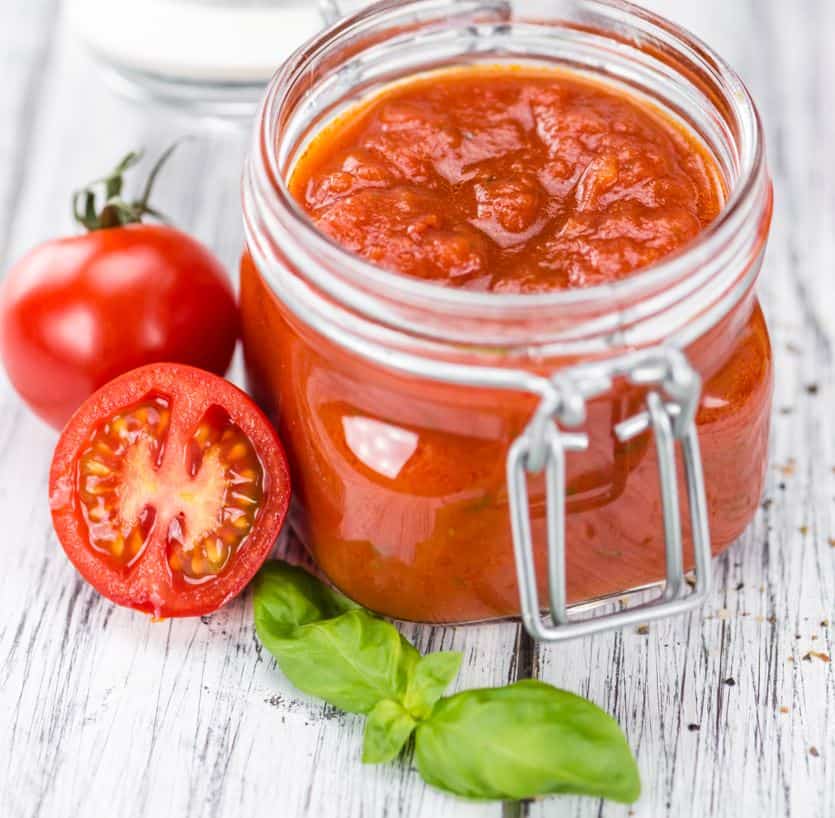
x=327, y=646
x=522, y=741
x=387, y=729
x=352, y=661
x=287, y=596
x=432, y=676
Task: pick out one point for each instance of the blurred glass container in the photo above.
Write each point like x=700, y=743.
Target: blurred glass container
x=207, y=57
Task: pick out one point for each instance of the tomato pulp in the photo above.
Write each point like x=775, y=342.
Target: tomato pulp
x=168, y=488
x=508, y=181
x=504, y=180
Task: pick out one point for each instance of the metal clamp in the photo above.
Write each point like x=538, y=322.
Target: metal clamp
x=671, y=404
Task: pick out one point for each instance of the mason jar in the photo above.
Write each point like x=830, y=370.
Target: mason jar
x=205, y=57
x=461, y=456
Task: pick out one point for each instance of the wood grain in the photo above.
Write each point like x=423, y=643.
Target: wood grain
x=105, y=713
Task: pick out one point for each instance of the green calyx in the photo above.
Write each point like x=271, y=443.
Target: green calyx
x=100, y=204
x=521, y=741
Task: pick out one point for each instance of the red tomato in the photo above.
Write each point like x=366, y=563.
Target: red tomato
x=168, y=489
x=76, y=312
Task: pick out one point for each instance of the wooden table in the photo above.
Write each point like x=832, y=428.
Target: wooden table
x=105, y=713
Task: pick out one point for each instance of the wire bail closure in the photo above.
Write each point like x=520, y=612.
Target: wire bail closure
x=671, y=405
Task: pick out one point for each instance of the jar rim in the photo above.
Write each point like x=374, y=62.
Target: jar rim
x=749, y=183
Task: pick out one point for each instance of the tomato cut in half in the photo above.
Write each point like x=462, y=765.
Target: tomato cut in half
x=168, y=489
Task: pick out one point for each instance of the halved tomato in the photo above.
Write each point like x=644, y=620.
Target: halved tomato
x=168, y=489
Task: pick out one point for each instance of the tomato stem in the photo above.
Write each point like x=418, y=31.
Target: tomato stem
x=116, y=211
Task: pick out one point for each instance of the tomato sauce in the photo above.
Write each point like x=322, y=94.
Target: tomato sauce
x=504, y=180
x=508, y=181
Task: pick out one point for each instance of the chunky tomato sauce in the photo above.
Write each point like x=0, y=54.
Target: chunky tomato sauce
x=507, y=181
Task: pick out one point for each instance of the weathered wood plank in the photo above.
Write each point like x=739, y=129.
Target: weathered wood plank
x=103, y=711
x=25, y=45
x=753, y=752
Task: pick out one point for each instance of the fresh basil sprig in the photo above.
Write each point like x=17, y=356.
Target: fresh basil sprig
x=521, y=741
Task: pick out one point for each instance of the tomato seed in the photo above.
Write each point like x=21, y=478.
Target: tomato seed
x=218, y=444
x=100, y=472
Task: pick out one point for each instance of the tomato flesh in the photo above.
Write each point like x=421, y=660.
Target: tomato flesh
x=228, y=480
x=168, y=501
x=110, y=478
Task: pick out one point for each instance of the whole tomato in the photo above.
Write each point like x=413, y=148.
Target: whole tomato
x=76, y=312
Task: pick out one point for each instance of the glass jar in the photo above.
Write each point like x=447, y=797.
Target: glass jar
x=208, y=57
x=461, y=456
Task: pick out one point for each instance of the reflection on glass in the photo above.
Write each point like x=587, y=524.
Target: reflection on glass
x=385, y=449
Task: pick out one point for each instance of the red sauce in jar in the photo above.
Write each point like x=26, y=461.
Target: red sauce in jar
x=508, y=181
x=505, y=180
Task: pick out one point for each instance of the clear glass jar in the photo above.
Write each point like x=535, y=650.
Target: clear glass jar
x=400, y=402
x=208, y=57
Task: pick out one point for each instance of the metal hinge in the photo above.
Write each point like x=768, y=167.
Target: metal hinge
x=671, y=403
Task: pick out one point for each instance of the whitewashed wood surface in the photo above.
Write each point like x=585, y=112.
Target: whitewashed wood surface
x=104, y=713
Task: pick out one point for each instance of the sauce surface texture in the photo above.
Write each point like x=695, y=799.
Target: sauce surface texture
x=507, y=179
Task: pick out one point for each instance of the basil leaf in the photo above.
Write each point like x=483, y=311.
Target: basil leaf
x=522, y=741
x=387, y=729
x=327, y=646
x=352, y=661
x=287, y=596
x=431, y=677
